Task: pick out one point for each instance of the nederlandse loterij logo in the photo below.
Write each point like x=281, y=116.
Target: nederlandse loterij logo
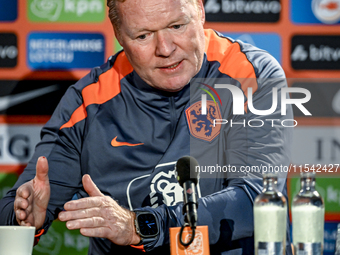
x=66, y=10
x=65, y=50
x=327, y=11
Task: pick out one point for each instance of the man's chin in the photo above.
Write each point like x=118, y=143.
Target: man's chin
x=170, y=88
x=172, y=85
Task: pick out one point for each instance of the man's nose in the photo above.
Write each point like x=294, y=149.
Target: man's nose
x=165, y=44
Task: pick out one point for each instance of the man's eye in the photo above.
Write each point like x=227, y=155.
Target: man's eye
x=177, y=26
x=142, y=37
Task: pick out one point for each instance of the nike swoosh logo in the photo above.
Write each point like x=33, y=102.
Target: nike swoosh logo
x=11, y=100
x=115, y=143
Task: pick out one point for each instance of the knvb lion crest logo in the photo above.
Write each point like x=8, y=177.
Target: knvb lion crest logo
x=201, y=125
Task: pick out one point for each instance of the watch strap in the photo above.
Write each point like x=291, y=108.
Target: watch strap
x=38, y=235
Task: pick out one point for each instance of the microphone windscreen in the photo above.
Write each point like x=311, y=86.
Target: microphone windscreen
x=186, y=168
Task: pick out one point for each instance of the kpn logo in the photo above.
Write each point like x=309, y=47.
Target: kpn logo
x=66, y=10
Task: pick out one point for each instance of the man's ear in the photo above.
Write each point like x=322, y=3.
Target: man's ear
x=117, y=35
x=201, y=9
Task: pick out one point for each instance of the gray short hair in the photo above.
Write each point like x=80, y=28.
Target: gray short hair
x=114, y=15
x=113, y=12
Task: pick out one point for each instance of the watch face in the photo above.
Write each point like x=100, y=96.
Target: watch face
x=147, y=225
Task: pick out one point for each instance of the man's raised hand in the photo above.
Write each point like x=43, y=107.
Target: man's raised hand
x=100, y=216
x=32, y=197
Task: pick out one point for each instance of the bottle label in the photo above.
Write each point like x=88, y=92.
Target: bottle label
x=308, y=248
x=270, y=248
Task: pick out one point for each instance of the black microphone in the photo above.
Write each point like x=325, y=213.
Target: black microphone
x=187, y=177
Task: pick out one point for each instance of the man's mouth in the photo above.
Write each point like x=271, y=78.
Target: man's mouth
x=173, y=66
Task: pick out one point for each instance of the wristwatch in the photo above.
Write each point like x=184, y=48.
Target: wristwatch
x=146, y=226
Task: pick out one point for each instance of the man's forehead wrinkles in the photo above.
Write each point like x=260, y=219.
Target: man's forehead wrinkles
x=154, y=9
x=148, y=23
x=182, y=17
x=168, y=17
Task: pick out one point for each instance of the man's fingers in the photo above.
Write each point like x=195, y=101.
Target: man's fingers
x=27, y=224
x=93, y=222
x=42, y=170
x=32, y=197
x=101, y=232
x=85, y=203
x=90, y=187
x=23, y=191
x=80, y=214
x=22, y=218
x=20, y=203
x=20, y=214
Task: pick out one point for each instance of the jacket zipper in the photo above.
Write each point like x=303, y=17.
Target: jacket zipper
x=173, y=118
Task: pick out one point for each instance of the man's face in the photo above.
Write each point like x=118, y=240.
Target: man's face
x=163, y=40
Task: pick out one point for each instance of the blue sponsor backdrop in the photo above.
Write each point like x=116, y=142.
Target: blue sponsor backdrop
x=267, y=41
x=301, y=12
x=330, y=238
x=8, y=10
x=65, y=50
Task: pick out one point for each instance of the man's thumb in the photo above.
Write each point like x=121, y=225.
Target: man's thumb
x=90, y=187
x=42, y=169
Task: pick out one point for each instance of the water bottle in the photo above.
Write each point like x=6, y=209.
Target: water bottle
x=270, y=218
x=308, y=213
